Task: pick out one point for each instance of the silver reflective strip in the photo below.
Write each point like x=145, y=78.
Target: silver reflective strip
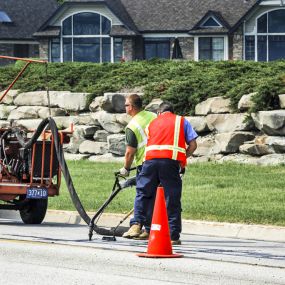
x=165, y=147
x=176, y=136
x=142, y=133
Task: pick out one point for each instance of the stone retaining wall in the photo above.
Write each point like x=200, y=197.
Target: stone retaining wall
x=99, y=126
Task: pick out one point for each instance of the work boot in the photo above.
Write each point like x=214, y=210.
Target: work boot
x=176, y=242
x=143, y=236
x=134, y=231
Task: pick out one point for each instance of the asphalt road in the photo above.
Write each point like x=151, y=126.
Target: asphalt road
x=54, y=253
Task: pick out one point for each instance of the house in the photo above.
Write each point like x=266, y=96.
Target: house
x=115, y=30
x=19, y=20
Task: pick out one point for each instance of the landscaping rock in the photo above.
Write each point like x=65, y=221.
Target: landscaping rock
x=73, y=146
x=30, y=124
x=108, y=157
x=282, y=101
x=153, y=105
x=96, y=104
x=230, y=142
x=5, y=111
x=114, y=102
x=84, y=132
x=24, y=112
x=214, y=105
x=110, y=122
x=116, y=144
x=205, y=145
x=270, y=122
x=272, y=159
x=245, y=102
x=199, y=123
x=256, y=149
x=9, y=97
x=92, y=147
x=43, y=112
x=101, y=136
x=224, y=123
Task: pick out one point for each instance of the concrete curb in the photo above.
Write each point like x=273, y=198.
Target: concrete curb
x=241, y=231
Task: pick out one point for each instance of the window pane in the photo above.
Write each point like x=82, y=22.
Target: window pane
x=262, y=48
x=55, y=50
x=204, y=43
x=249, y=48
x=157, y=48
x=67, y=49
x=106, y=49
x=86, y=49
x=276, y=21
x=218, y=43
x=276, y=47
x=262, y=24
x=118, y=49
x=205, y=52
x=150, y=50
x=86, y=24
x=162, y=50
x=106, y=26
x=211, y=23
x=66, y=26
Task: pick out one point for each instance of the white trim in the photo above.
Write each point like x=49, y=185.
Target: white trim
x=166, y=35
x=196, y=45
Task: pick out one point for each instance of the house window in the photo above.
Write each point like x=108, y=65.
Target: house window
x=156, y=48
x=270, y=35
x=21, y=50
x=211, y=48
x=55, y=50
x=85, y=37
x=249, y=47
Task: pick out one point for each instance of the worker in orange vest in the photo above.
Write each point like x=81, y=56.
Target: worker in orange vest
x=171, y=140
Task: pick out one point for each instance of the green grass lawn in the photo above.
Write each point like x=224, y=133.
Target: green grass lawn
x=214, y=192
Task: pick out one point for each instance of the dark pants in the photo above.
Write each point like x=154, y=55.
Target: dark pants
x=153, y=173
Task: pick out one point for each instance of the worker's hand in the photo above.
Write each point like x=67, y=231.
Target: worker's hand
x=124, y=172
x=181, y=172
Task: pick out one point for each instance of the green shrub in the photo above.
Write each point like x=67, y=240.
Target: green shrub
x=184, y=83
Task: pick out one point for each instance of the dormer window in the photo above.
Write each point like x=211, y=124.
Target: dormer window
x=4, y=18
x=211, y=23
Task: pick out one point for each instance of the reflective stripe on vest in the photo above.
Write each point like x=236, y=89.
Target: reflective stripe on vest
x=141, y=131
x=166, y=147
x=176, y=137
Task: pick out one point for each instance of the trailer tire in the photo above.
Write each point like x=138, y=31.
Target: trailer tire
x=34, y=212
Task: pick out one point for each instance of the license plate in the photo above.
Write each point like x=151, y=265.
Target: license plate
x=37, y=193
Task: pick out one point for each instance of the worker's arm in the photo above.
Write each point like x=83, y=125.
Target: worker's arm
x=191, y=148
x=129, y=156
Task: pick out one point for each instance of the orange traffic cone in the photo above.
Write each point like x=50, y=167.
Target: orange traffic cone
x=159, y=243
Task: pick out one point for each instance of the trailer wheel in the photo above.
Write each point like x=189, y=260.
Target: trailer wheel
x=34, y=212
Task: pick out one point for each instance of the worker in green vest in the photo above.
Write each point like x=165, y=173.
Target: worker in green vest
x=136, y=140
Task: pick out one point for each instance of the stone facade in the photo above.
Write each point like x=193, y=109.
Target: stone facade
x=44, y=49
x=187, y=48
x=237, y=45
x=128, y=49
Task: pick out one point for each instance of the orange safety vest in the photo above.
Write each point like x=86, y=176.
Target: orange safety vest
x=166, y=138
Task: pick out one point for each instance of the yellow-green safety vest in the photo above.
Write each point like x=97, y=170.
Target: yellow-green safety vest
x=138, y=124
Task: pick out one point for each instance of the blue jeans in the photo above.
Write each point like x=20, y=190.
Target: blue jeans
x=153, y=173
